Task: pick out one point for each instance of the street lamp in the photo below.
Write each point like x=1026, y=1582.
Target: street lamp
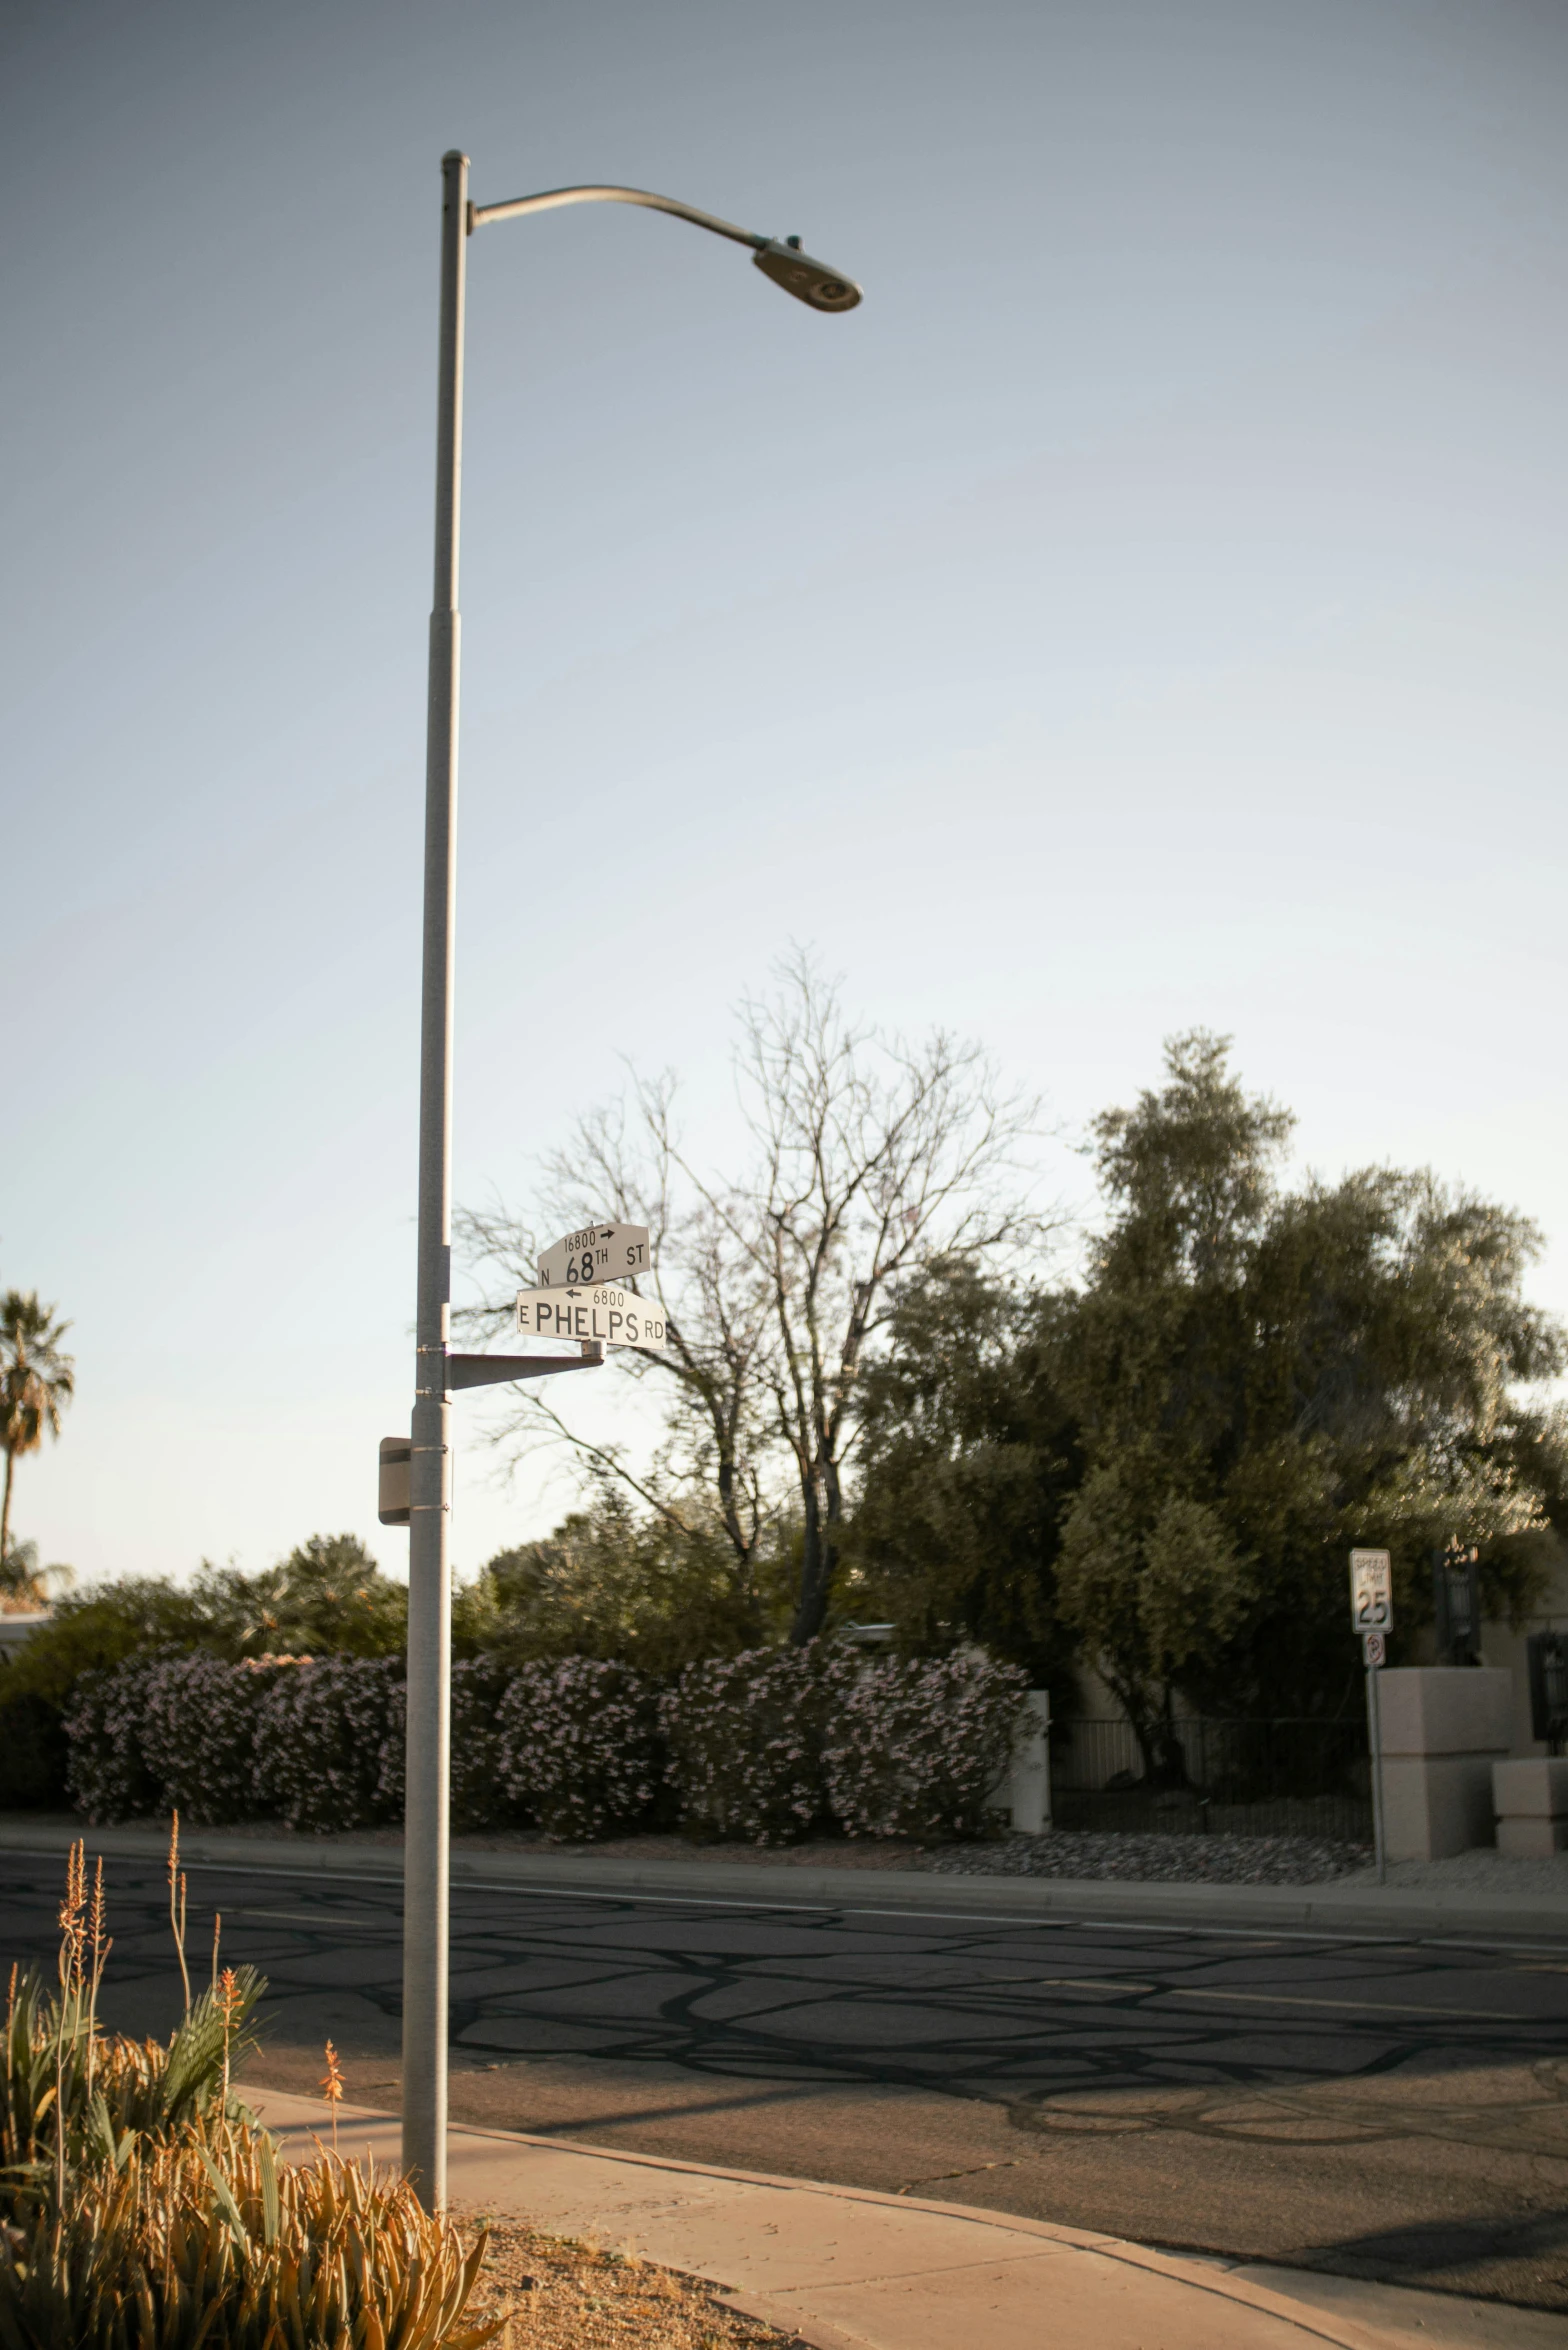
x=436, y=1372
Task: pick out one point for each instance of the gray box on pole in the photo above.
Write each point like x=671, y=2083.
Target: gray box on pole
x=393, y=1492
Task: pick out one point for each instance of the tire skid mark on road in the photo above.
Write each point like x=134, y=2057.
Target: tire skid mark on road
x=1478, y=2015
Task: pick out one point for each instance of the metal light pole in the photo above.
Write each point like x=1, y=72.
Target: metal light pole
x=436, y=1372
x=429, y=1575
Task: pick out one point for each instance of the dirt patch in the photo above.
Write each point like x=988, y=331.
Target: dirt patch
x=564, y=2293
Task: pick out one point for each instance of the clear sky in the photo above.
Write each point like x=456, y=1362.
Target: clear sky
x=1148, y=609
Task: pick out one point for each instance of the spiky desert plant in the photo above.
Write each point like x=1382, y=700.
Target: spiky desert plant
x=203, y=2241
x=144, y=2208
x=68, y=2095
x=52, y=2063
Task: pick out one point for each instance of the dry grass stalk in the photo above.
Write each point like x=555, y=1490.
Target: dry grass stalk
x=231, y=2002
x=332, y=2089
x=100, y=1944
x=177, y=1904
x=68, y=2010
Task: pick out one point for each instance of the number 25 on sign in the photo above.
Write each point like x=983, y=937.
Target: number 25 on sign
x=1371, y=1590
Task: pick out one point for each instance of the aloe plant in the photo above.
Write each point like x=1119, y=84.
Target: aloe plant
x=203, y=2241
x=145, y=2208
x=54, y=2063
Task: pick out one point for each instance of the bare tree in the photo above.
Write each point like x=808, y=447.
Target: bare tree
x=709, y=1473
x=869, y=1157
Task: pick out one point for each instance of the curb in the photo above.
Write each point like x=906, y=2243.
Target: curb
x=1345, y=2333
x=1351, y=1909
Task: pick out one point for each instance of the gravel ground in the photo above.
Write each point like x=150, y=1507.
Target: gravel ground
x=1482, y=1871
x=557, y=2293
x=1170, y=1860
x=1167, y=1860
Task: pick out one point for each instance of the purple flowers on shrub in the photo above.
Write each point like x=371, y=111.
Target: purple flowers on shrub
x=764, y=1746
x=914, y=1749
x=321, y=1740
x=579, y=1747
x=198, y=1735
x=479, y=1798
x=107, y=1772
x=745, y=1740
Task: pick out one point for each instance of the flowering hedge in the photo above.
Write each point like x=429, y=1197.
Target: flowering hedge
x=322, y=1734
x=578, y=1747
x=107, y=1773
x=915, y=1749
x=479, y=1799
x=198, y=1735
x=745, y=1736
x=764, y=1746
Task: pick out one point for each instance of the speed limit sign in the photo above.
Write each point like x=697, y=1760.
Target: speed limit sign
x=1371, y=1590
x=1372, y=1613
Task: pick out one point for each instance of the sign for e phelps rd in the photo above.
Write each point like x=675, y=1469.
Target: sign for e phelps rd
x=614, y=1316
x=596, y=1256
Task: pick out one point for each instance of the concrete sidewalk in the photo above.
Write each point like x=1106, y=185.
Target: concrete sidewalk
x=1344, y=1906
x=849, y=2270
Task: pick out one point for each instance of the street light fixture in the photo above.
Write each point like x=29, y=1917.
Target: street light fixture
x=781, y=259
x=437, y=1372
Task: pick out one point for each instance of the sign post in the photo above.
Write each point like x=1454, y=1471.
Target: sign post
x=1372, y=1614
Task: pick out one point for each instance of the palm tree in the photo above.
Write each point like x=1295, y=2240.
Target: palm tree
x=37, y=1381
x=24, y=1584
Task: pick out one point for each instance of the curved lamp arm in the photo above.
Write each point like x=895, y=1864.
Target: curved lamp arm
x=550, y=198
x=811, y=282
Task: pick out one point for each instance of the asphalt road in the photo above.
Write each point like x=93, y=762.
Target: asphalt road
x=1377, y=2108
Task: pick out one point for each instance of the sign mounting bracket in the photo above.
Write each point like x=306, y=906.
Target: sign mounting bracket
x=491, y=1370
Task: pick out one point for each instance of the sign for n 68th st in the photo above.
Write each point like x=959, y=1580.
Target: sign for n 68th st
x=612, y=1315
x=598, y=1254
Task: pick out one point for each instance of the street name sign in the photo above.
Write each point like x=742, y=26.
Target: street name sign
x=1371, y=1590
x=598, y=1254
x=614, y=1316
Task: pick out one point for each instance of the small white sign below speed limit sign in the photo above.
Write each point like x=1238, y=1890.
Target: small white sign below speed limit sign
x=1371, y=1590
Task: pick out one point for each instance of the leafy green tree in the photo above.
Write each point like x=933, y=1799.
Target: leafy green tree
x=1166, y=1465
x=1261, y=1379
x=24, y=1583
x=968, y=1458
x=622, y=1585
x=103, y=1625
x=37, y=1381
x=328, y=1597
x=1153, y=1601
